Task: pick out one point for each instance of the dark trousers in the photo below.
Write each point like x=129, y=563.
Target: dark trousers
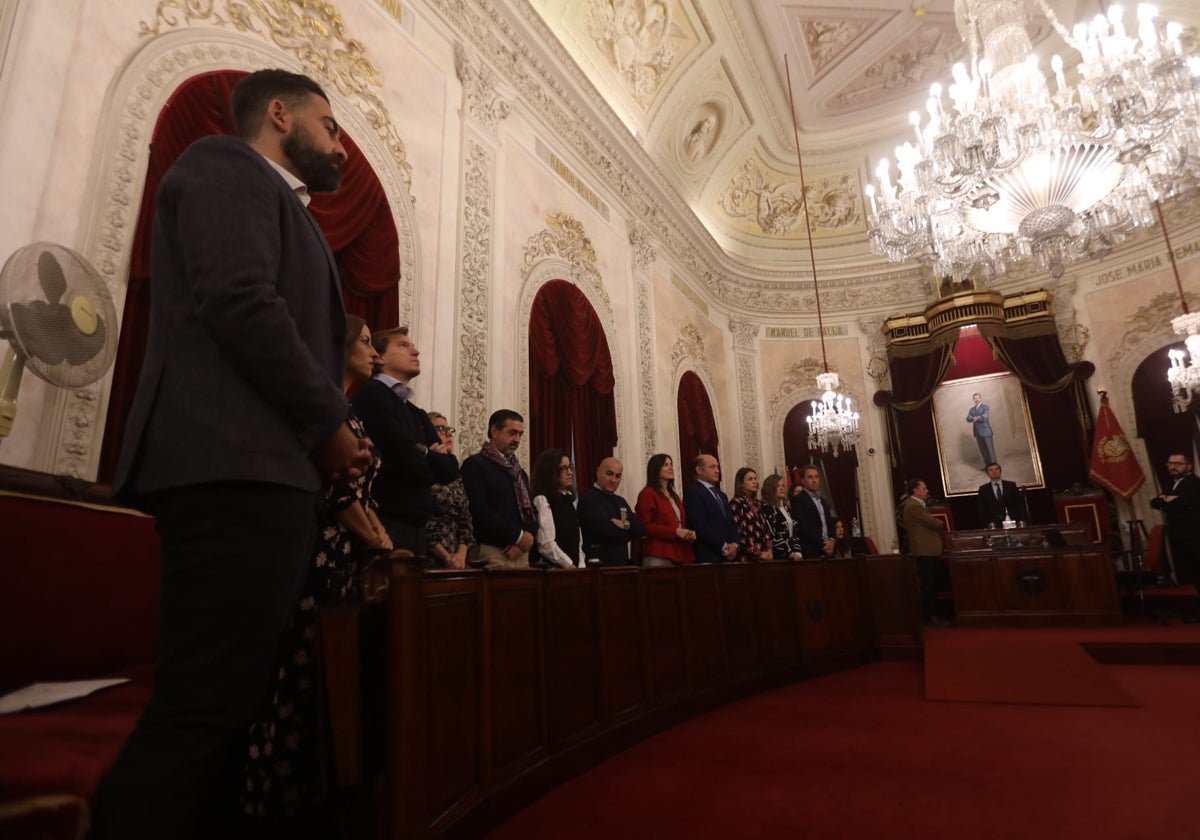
x=234, y=558
x=987, y=450
x=927, y=580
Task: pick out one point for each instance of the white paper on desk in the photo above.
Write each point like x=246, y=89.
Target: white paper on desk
x=47, y=694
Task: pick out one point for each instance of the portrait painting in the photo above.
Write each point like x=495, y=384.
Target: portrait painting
x=979, y=420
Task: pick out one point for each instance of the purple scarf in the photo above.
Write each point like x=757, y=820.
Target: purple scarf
x=511, y=465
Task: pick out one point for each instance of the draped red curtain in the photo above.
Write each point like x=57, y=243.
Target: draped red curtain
x=356, y=220
x=1155, y=421
x=571, y=403
x=697, y=426
x=840, y=472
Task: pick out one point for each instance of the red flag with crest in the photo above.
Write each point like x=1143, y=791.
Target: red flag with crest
x=1113, y=464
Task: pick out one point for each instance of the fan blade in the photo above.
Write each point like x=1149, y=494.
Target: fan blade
x=48, y=333
x=50, y=273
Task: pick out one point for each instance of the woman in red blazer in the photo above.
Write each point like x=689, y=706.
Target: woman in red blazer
x=668, y=539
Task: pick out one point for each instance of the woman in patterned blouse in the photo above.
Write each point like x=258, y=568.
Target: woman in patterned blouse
x=785, y=539
x=449, y=533
x=752, y=526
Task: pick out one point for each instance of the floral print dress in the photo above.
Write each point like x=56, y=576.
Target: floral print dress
x=282, y=774
x=752, y=526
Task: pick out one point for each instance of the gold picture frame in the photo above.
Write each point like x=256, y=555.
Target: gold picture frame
x=960, y=454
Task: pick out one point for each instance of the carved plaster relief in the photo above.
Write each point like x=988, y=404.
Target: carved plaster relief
x=642, y=243
x=701, y=133
x=643, y=40
x=826, y=39
x=314, y=34
x=745, y=333
x=765, y=202
x=911, y=64
x=801, y=378
x=689, y=345
x=1150, y=320
x=748, y=403
x=484, y=102
x=877, y=365
x=565, y=237
x=895, y=295
x=474, y=303
x=646, y=369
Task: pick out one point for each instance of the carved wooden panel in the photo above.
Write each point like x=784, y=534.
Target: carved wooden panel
x=1028, y=584
x=572, y=656
x=662, y=594
x=623, y=678
x=850, y=621
x=707, y=659
x=740, y=612
x=811, y=607
x=514, y=647
x=891, y=583
x=1088, y=581
x=779, y=639
x=454, y=691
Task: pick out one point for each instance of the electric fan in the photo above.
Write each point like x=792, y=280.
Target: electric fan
x=59, y=320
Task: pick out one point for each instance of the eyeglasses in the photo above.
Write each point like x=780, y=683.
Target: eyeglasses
x=565, y=468
x=445, y=430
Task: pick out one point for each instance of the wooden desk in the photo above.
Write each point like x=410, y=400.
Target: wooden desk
x=1011, y=578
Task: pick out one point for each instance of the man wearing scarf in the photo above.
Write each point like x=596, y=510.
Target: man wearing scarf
x=498, y=491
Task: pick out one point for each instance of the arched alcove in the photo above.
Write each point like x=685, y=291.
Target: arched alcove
x=697, y=423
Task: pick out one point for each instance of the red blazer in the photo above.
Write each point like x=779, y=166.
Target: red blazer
x=654, y=511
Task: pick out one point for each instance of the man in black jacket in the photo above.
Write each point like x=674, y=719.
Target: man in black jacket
x=412, y=456
x=1180, y=505
x=999, y=497
x=814, y=517
x=606, y=521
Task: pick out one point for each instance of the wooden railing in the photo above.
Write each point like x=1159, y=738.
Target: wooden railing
x=502, y=685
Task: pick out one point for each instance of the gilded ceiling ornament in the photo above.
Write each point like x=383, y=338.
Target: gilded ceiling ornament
x=637, y=38
x=565, y=237
x=311, y=30
x=774, y=204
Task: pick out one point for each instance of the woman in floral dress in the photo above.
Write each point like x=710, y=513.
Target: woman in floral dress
x=449, y=532
x=753, y=530
x=282, y=772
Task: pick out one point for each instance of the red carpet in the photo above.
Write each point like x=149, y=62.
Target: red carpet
x=1016, y=666
x=861, y=754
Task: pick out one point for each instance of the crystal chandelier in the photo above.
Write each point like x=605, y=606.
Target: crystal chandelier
x=1006, y=172
x=1184, y=373
x=833, y=424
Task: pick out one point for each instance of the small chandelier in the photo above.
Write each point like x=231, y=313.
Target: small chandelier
x=1008, y=173
x=1184, y=373
x=833, y=424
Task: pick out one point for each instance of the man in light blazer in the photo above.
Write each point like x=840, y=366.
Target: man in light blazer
x=239, y=417
x=925, y=545
x=707, y=511
x=814, y=517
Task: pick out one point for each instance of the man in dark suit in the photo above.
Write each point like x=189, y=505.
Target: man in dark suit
x=498, y=491
x=999, y=497
x=709, y=514
x=412, y=456
x=606, y=521
x=1180, y=505
x=814, y=517
x=238, y=417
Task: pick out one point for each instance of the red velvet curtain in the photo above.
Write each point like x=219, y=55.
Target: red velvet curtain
x=571, y=380
x=1155, y=420
x=697, y=427
x=356, y=221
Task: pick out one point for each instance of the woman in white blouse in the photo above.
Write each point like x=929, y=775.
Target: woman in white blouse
x=552, y=486
x=785, y=542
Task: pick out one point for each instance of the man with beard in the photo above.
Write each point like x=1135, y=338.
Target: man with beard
x=237, y=421
x=1179, y=503
x=498, y=490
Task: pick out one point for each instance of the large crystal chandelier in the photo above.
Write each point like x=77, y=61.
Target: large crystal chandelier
x=1004, y=171
x=833, y=423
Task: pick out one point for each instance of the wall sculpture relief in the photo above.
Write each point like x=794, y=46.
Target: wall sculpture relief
x=646, y=369
x=483, y=100
x=1150, y=320
x=641, y=39
x=642, y=243
x=877, y=363
x=748, y=403
x=744, y=334
x=565, y=237
x=825, y=38
x=770, y=203
x=801, y=378
x=313, y=32
x=689, y=345
x=474, y=304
